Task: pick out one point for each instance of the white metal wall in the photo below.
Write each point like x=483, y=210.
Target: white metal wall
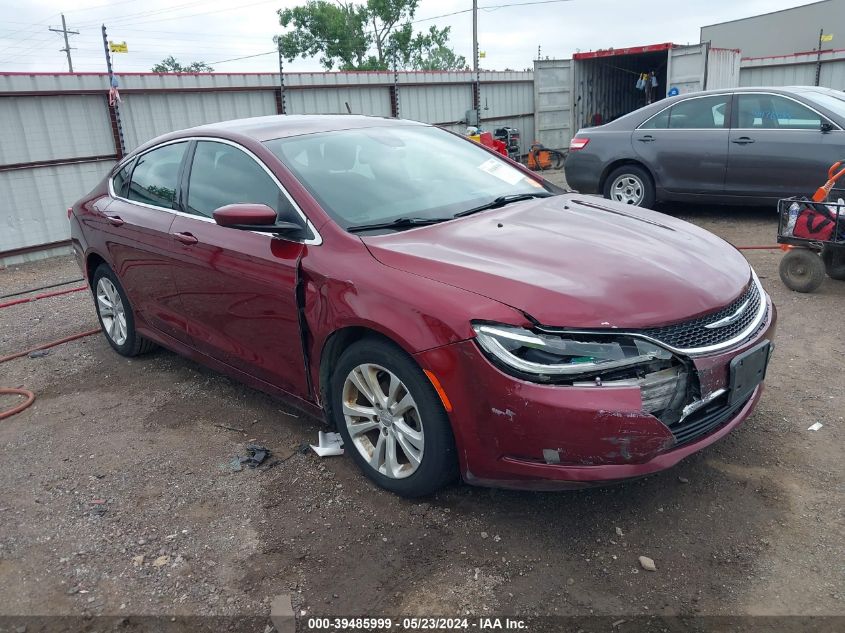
x=147, y=115
x=35, y=202
x=794, y=70
x=64, y=118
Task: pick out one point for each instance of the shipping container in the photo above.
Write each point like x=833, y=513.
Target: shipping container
x=599, y=86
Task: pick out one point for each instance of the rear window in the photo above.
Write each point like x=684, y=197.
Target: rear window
x=701, y=113
x=121, y=179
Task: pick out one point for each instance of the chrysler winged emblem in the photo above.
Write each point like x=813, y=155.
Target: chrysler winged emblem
x=730, y=318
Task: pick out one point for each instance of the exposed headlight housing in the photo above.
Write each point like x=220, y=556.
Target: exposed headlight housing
x=557, y=355
x=591, y=359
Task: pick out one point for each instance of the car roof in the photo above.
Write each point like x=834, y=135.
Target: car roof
x=774, y=89
x=265, y=128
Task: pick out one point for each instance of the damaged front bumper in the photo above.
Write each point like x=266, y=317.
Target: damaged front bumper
x=514, y=433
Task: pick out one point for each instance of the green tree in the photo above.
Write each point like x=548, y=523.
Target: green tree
x=367, y=36
x=170, y=65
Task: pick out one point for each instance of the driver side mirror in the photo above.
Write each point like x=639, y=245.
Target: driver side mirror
x=826, y=126
x=255, y=217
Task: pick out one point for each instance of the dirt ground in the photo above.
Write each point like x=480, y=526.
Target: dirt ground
x=753, y=525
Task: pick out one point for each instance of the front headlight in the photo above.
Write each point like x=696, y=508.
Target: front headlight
x=546, y=357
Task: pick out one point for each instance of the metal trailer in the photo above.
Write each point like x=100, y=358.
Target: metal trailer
x=570, y=94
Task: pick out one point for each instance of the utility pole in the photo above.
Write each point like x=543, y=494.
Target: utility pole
x=66, y=49
x=819, y=57
x=476, y=89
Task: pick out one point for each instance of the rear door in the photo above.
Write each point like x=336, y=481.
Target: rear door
x=686, y=145
x=777, y=148
x=238, y=288
x=137, y=225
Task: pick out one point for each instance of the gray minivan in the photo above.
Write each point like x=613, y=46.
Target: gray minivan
x=744, y=145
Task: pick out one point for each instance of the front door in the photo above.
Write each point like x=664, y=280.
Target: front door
x=238, y=288
x=686, y=146
x=777, y=148
x=137, y=224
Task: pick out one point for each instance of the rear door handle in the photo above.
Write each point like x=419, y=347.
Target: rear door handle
x=743, y=140
x=185, y=238
x=648, y=138
x=115, y=220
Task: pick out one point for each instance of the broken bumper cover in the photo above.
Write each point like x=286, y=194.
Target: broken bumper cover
x=506, y=429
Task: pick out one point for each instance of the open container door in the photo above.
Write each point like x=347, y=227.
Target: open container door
x=553, y=102
x=700, y=67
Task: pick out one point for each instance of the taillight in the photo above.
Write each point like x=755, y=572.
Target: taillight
x=69, y=212
x=578, y=143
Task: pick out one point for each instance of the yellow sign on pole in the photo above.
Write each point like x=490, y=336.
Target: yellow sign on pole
x=118, y=47
x=827, y=37
x=482, y=54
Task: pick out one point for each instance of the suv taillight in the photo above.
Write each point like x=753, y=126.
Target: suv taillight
x=578, y=143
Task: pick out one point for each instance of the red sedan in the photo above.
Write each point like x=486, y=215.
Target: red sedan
x=447, y=310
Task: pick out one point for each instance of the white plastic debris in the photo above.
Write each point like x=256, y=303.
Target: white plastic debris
x=328, y=444
x=816, y=426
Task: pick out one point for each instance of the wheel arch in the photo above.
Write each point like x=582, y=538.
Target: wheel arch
x=605, y=174
x=92, y=262
x=334, y=345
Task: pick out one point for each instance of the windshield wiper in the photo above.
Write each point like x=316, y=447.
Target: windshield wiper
x=503, y=200
x=399, y=223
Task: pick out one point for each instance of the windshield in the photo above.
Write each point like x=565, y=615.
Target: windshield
x=834, y=103
x=380, y=174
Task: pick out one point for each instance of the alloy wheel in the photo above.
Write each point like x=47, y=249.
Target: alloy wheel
x=627, y=189
x=112, y=312
x=383, y=421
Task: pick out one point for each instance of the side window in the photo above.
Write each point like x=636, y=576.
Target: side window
x=659, y=122
x=764, y=111
x=156, y=174
x=222, y=174
x=707, y=113
x=121, y=179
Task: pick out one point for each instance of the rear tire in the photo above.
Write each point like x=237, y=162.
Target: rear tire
x=834, y=262
x=630, y=184
x=115, y=314
x=399, y=436
x=802, y=270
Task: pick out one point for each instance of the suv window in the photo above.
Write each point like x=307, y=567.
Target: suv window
x=222, y=174
x=767, y=111
x=706, y=113
x=156, y=176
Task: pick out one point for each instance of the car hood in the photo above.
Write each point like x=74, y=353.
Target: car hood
x=576, y=261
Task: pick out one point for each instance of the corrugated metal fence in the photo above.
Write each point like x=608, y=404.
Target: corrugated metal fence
x=795, y=70
x=59, y=136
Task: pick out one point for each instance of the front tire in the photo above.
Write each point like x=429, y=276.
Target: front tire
x=391, y=419
x=630, y=184
x=115, y=314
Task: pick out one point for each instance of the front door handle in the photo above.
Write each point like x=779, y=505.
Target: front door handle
x=185, y=238
x=115, y=220
x=743, y=140
x=648, y=138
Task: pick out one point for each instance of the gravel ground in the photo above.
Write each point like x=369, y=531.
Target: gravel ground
x=117, y=497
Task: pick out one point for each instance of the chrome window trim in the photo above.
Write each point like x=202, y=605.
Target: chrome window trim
x=313, y=241
x=788, y=129
x=762, y=311
x=687, y=129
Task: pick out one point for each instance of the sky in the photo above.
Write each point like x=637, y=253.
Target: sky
x=216, y=31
